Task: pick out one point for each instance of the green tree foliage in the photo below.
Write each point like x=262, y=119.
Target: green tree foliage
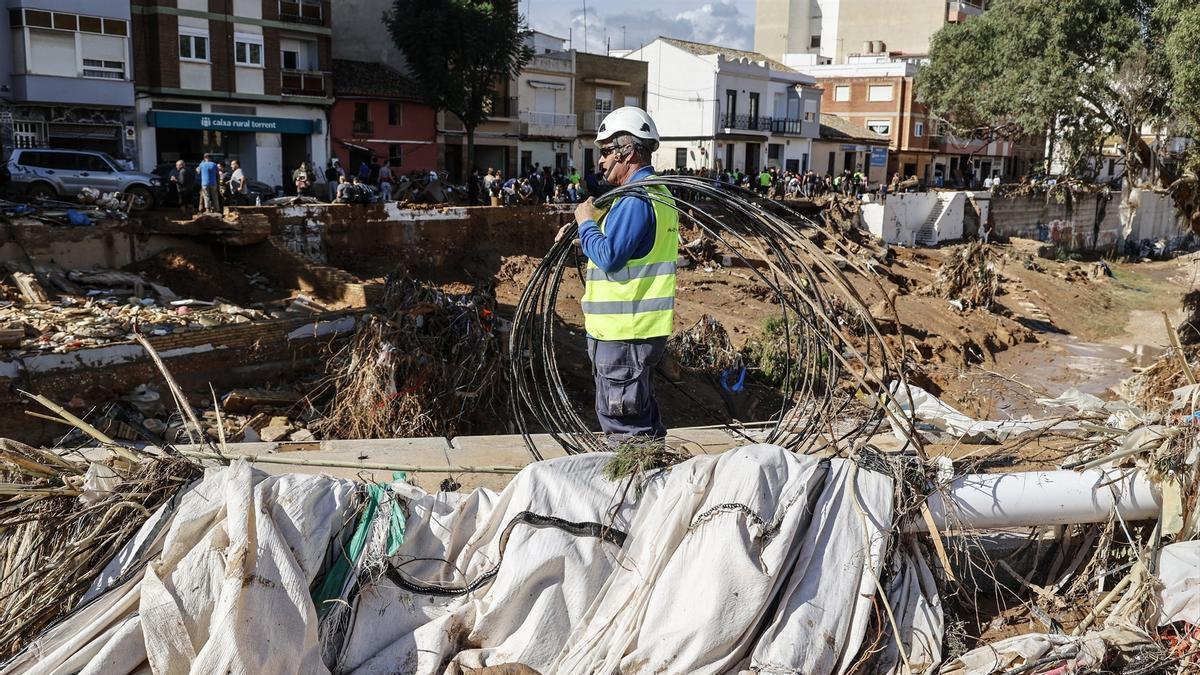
x=1085, y=69
x=457, y=50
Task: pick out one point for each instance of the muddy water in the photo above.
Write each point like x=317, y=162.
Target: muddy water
x=1059, y=363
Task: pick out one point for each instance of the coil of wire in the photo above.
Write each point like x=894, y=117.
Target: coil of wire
x=837, y=363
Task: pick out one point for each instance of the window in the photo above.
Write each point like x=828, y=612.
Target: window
x=193, y=45
x=879, y=92
x=38, y=18
x=841, y=92
x=604, y=100
x=103, y=56
x=730, y=102
x=633, y=101
x=814, y=41
x=248, y=49
x=91, y=24
x=753, y=104
x=395, y=154
x=919, y=129
x=395, y=114
x=94, y=164
x=680, y=158
x=29, y=135
x=880, y=126
x=109, y=70
x=362, y=118
x=290, y=59
x=65, y=21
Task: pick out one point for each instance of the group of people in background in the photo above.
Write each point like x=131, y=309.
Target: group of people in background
x=208, y=185
x=538, y=185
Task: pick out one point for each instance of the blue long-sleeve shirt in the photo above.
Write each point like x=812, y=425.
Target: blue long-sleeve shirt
x=628, y=231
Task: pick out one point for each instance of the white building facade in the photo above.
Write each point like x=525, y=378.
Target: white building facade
x=727, y=109
x=546, y=100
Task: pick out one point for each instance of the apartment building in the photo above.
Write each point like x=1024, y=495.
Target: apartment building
x=603, y=84
x=241, y=79
x=66, y=76
x=830, y=31
x=723, y=108
x=546, y=95
x=878, y=94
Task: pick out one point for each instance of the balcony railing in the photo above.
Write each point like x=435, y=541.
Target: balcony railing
x=501, y=107
x=535, y=123
x=785, y=126
x=364, y=127
x=746, y=122
x=303, y=83
x=592, y=118
x=301, y=11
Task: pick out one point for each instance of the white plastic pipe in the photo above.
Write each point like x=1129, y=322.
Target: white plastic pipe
x=993, y=501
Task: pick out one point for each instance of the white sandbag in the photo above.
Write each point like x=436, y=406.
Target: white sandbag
x=225, y=591
x=1179, y=573
x=1004, y=655
x=523, y=613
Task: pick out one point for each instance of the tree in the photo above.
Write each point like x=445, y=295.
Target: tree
x=1086, y=69
x=457, y=50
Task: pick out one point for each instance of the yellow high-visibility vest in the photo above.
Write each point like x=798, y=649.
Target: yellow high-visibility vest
x=637, y=301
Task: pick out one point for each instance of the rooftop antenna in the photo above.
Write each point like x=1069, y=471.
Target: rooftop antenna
x=585, y=43
x=623, y=46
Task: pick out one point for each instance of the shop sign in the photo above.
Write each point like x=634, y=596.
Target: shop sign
x=879, y=156
x=216, y=122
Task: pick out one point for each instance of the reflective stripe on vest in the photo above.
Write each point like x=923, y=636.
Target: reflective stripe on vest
x=637, y=301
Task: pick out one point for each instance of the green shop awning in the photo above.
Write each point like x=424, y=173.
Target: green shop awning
x=170, y=119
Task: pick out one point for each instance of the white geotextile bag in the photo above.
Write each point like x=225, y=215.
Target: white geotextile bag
x=730, y=562
x=226, y=590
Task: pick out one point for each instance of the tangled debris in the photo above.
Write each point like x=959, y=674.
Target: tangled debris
x=704, y=348
x=970, y=276
x=1189, y=330
x=427, y=363
x=62, y=519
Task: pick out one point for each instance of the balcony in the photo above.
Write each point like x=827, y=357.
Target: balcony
x=301, y=11
x=303, y=83
x=746, y=123
x=592, y=119
x=363, y=127
x=499, y=107
x=787, y=127
x=543, y=124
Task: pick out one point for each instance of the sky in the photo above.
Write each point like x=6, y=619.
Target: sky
x=627, y=24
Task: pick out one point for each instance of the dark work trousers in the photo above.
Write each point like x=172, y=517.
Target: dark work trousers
x=624, y=374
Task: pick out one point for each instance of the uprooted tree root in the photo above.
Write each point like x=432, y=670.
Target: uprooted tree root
x=970, y=276
x=427, y=364
x=704, y=348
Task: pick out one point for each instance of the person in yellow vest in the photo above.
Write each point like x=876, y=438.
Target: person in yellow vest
x=629, y=295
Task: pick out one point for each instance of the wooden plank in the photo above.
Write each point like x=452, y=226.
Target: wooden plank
x=30, y=288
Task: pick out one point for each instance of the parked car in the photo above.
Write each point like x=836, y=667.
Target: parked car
x=254, y=188
x=61, y=174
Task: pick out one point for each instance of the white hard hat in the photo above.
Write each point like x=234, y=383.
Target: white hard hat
x=629, y=120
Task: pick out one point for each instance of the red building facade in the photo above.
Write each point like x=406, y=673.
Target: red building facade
x=378, y=114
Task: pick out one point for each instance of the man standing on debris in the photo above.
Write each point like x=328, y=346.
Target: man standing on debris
x=210, y=200
x=629, y=297
x=183, y=183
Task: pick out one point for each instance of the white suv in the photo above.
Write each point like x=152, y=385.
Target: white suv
x=60, y=174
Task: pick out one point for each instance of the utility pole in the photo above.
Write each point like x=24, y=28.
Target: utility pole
x=585, y=44
x=623, y=46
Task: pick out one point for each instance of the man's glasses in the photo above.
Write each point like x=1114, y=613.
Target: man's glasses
x=605, y=152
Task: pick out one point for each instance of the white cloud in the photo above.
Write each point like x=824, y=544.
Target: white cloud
x=629, y=25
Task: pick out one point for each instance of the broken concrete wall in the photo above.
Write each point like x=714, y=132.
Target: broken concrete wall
x=1150, y=215
x=1090, y=220
x=1080, y=221
x=225, y=356
x=899, y=218
x=375, y=239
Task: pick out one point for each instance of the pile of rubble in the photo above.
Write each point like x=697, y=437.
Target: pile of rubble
x=98, y=307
